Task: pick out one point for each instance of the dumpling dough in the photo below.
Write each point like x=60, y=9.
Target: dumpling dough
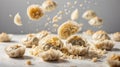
x=17, y=20
x=116, y=36
x=100, y=35
x=96, y=21
x=4, y=37
x=51, y=41
x=51, y=55
x=30, y=40
x=76, y=40
x=75, y=14
x=42, y=34
x=49, y=5
x=68, y=28
x=35, y=12
x=89, y=14
x=15, y=51
x=114, y=60
x=106, y=44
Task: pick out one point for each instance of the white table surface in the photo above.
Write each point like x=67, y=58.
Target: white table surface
x=5, y=61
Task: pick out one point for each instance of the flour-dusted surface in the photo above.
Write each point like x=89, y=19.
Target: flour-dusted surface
x=5, y=61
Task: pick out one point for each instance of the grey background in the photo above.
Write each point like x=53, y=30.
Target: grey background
x=108, y=10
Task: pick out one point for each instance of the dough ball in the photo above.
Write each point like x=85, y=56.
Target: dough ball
x=4, y=37
x=15, y=51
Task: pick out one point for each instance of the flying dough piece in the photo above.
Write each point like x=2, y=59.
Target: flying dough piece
x=96, y=21
x=17, y=20
x=89, y=14
x=68, y=28
x=49, y=5
x=35, y=12
x=75, y=14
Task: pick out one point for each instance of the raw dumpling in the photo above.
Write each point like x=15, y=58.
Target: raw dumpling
x=42, y=34
x=114, y=60
x=100, y=35
x=89, y=14
x=76, y=40
x=68, y=28
x=49, y=5
x=116, y=36
x=106, y=44
x=51, y=41
x=96, y=21
x=15, y=51
x=30, y=40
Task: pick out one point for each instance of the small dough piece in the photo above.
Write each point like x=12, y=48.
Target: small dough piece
x=89, y=14
x=49, y=5
x=96, y=21
x=51, y=41
x=4, y=37
x=17, y=20
x=116, y=36
x=76, y=40
x=35, y=12
x=15, y=51
x=28, y=62
x=75, y=14
x=106, y=44
x=89, y=32
x=30, y=40
x=51, y=55
x=94, y=59
x=100, y=35
x=68, y=28
x=42, y=34
x=114, y=60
